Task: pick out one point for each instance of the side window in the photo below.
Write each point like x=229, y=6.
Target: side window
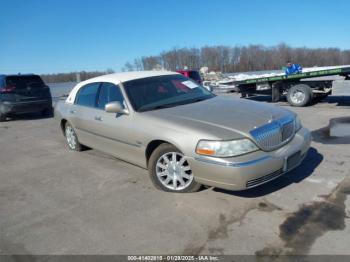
x=87, y=95
x=109, y=93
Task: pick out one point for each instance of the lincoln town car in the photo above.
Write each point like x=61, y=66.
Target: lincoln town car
x=182, y=133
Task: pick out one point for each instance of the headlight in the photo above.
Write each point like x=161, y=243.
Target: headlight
x=225, y=148
x=297, y=124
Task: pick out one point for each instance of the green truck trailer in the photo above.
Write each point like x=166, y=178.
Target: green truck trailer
x=300, y=89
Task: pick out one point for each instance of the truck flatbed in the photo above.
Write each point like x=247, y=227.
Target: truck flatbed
x=298, y=92
x=327, y=72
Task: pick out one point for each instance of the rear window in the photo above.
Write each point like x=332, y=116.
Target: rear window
x=23, y=82
x=87, y=95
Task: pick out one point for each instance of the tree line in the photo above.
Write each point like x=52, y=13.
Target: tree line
x=228, y=59
x=224, y=59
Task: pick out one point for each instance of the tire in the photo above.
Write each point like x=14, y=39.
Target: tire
x=163, y=172
x=276, y=92
x=72, y=138
x=299, y=95
x=2, y=117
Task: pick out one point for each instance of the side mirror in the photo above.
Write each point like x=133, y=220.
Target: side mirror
x=116, y=107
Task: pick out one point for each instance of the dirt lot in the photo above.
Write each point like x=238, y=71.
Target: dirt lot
x=55, y=201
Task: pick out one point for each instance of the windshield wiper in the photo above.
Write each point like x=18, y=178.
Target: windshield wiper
x=199, y=99
x=190, y=101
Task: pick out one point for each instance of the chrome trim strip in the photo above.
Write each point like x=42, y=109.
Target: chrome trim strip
x=283, y=172
x=233, y=164
x=24, y=102
x=242, y=164
x=264, y=179
x=116, y=140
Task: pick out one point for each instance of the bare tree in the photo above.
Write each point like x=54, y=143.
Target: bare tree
x=245, y=58
x=225, y=59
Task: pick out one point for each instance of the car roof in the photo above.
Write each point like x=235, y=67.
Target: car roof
x=117, y=78
x=127, y=76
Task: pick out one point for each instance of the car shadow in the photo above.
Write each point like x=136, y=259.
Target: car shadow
x=312, y=160
x=29, y=116
x=336, y=100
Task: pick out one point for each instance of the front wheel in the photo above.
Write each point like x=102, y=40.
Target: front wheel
x=170, y=171
x=299, y=95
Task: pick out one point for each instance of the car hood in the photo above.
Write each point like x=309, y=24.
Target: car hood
x=221, y=116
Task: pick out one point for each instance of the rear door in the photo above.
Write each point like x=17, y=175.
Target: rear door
x=81, y=113
x=27, y=88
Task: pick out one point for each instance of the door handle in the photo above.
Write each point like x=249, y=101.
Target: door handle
x=98, y=118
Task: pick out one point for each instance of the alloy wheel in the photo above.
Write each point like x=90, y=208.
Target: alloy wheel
x=71, y=137
x=173, y=171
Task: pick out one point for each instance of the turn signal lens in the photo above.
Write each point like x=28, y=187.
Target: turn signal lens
x=203, y=151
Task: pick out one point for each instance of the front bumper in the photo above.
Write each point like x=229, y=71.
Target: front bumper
x=24, y=107
x=239, y=173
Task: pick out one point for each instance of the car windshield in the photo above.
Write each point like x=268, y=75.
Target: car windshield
x=164, y=91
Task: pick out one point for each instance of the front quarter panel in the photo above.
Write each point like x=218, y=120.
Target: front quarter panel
x=148, y=129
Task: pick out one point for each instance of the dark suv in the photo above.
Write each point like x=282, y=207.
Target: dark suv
x=24, y=94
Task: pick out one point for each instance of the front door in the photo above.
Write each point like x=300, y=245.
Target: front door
x=114, y=133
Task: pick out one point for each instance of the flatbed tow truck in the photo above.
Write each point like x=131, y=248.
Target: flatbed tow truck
x=300, y=89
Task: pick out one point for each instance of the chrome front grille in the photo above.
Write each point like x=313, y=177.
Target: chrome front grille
x=287, y=128
x=274, y=134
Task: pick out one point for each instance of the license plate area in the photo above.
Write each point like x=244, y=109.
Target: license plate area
x=292, y=161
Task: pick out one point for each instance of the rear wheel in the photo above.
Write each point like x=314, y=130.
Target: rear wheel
x=276, y=92
x=170, y=171
x=299, y=95
x=72, y=139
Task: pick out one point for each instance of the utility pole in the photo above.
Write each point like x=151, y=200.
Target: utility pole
x=78, y=77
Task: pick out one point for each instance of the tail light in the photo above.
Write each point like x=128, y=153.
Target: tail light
x=7, y=89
